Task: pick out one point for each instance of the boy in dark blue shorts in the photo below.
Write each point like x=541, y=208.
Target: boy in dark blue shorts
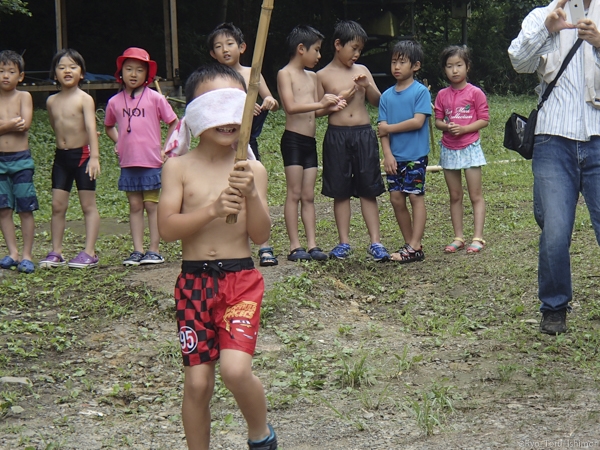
x=404, y=110
x=17, y=192
x=226, y=44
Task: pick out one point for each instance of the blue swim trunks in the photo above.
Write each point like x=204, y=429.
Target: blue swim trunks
x=16, y=182
x=410, y=177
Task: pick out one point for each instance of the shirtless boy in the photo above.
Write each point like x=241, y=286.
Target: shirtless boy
x=73, y=117
x=219, y=292
x=17, y=192
x=226, y=44
x=298, y=90
x=350, y=148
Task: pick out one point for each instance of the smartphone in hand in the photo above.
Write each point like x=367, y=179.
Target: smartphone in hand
x=577, y=10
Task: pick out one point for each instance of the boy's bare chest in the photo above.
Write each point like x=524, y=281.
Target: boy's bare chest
x=203, y=186
x=65, y=109
x=67, y=119
x=245, y=73
x=303, y=87
x=10, y=108
x=336, y=80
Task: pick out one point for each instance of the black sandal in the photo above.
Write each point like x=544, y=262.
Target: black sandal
x=409, y=254
x=267, y=258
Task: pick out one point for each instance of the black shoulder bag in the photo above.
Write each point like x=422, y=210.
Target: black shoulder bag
x=519, y=131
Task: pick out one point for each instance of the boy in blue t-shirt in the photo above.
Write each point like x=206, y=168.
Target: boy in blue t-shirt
x=404, y=110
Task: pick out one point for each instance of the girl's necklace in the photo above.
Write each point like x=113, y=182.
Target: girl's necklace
x=135, y=111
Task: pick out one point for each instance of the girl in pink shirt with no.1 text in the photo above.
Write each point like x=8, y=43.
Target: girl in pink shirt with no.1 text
x=133, y=118
x=461, y=110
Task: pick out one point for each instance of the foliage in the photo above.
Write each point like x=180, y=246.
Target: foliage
x=434, y=346
x=14, y=6
x=491, y=27
x=431, y=409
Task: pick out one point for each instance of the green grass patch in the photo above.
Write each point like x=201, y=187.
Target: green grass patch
x=347, y=336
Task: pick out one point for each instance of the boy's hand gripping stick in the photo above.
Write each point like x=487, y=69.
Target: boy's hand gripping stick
x=241, y=153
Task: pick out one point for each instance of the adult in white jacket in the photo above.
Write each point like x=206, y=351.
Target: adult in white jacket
x=566, y=155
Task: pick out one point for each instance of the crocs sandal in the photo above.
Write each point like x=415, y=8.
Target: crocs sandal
x=407, y=254
x=51, y=260
x=8, y=263
x=453, y=247
x=26, y=266
x=317, y=254
x=299, y=254
x=83, y=261
x=476, y=248
x=267, y=258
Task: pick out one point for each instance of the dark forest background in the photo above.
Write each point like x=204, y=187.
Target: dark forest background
x=101, y=30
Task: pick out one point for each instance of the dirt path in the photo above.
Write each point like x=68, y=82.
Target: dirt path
x=121, y=388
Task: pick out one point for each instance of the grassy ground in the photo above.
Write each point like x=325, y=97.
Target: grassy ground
x=426, y=350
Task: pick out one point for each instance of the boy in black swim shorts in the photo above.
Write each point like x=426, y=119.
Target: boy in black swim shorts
x=298, y=90
x=72, y=114
x=70, y=166
x=219, y=292
x=298, y=150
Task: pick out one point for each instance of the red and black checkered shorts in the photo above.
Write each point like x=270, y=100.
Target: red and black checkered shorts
x=218, y=307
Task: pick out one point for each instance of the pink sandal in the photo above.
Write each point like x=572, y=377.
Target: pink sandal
x=476, y=248
x=453, y=248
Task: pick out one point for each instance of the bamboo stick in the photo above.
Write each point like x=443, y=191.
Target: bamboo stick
x=158, y=89
x=431, y=119
x=241, y=153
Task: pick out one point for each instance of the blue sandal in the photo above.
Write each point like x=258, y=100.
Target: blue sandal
x=267, y=257
x=26, y=266
x=8, y=263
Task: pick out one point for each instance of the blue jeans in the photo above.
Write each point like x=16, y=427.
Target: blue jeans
x=562, y=168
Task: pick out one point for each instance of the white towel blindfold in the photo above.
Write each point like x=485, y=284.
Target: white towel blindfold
x=212, y=109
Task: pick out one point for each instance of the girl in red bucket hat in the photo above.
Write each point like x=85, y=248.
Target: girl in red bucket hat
x=141, y=55
x=132, y=121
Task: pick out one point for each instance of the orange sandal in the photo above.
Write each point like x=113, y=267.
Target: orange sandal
x=453, y=248
x=476, y=248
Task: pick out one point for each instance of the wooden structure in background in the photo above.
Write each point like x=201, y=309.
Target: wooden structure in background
x=379, y=17
x=171, y=51
x=385, y=22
